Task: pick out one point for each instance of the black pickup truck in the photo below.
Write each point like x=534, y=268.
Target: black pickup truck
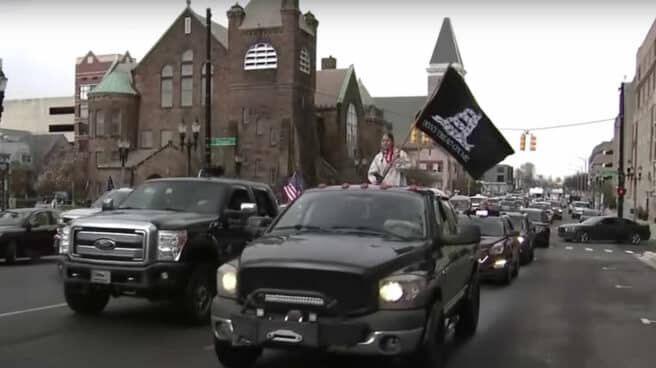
x=164, y=241
x=363, y=270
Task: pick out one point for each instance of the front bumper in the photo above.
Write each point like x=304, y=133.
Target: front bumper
x=378, y=333
x=494, y=267
x=153, y=280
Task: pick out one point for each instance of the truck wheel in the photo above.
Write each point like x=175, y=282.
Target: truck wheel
x=198, y=294
x=10, y=252
x=86, y=303
x=515, y=272
x=508, y=275
x=431, y=351
x=468, y=316
x=236, y=357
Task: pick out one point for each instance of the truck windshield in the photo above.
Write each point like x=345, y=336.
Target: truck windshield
x=375, y=212
x=177, y=195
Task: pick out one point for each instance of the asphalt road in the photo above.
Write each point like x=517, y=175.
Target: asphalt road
x=576, y=306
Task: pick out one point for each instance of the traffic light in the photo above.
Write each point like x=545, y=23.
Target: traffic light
x=533, y=142
x=621, y=191
x=522, y=142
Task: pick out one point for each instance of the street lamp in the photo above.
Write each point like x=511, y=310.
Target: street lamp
x=3, y=86
x=123, y=150
x=189, y=143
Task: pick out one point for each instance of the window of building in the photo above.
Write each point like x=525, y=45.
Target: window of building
x=500, y=179
x=273, y=136
x=351, y=130
x=414, y=135
x=187, y=79
x=26, y=158
x=245, y=116
x=258, y=168
x=166, y=136
x=100, y=158
x=166, y=86
x=84, y=111
x=305, y=61
x=67, y=110
x=114, y=156
x=116, y=123
x=146, y=139
x=429, y=166
x=203, y=82
x=89, y=59
x=259, y=126
x=100, y=123
x=84, y=91
x=187, y=25
x=425, y=139
x=422, y=166
x=61, y=128
x=261, y=56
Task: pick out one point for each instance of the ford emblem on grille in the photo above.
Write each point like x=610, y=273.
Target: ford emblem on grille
x=104, y=244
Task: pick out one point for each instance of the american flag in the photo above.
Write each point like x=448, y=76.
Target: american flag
x=294, y=187
x=110, y=184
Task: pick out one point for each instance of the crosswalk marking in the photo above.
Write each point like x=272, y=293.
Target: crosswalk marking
x=608, y=250
x=628, y=251
x=569, y=247
x=588, y=249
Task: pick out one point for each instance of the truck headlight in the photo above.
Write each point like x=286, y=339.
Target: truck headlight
x=520, y=239
x=497, y=249
x=226, y=281
x=64, y=239
x=170, y=244
x=399, y=290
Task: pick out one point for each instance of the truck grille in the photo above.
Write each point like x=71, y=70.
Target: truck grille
x=353, y=293
x=120, y=245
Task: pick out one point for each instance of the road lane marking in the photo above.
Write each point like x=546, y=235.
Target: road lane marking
x=37, y=309
x=588, y=249
x=623, y=287
x=628, y=251
x=569, y=247
x=608, y=268
x=608, y=250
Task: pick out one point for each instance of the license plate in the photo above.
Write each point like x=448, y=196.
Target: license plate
x=101, y=277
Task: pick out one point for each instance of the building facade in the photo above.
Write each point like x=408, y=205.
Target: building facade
x=48, y=115
x=498, y=180
x=264, y=91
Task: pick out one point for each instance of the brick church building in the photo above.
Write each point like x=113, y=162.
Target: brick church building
x=286, y=115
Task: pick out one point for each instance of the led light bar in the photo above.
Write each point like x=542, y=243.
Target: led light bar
x=292, y=299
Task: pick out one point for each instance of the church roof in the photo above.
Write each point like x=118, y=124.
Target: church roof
x=266, y=14
x=218, y=31
x=117, y=80
x=446, y=49
x=331, y=86
x=365, y=96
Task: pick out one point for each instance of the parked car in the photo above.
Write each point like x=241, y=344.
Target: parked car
x=541, y=225
x=526, y=238
x=499, y=257
x=605, y=228
x=165, y=241
x=27, y=232
x=355, y=270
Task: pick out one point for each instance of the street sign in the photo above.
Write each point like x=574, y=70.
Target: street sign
x=223, y=141
x=608, y=172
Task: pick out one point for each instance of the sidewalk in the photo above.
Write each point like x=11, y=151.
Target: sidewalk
x=652, y=226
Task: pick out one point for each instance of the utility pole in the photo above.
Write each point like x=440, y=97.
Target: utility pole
x=208, y=92
x=620, y=165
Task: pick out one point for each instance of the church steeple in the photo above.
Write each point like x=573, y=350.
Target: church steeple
x=445, y=53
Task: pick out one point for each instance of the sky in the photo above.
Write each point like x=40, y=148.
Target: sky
x=529, y=63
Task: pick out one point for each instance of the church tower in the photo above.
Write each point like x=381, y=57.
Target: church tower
x=446, y=52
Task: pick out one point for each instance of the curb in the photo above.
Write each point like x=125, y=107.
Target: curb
x=648, y=258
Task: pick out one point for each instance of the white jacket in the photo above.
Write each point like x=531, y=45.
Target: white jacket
x=396, y=174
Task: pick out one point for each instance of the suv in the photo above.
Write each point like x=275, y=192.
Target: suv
x=364, y=270
x=165, y=241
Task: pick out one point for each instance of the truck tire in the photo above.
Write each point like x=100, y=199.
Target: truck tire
x=196, y=299
x=10, y=252
x=91, y=302
x=236, y=357
x=430, y=353
x=468, y=315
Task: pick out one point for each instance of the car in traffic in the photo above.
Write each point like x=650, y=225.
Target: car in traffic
x=541, y=225
x=499, y=257
x=363, y=270
x=164, y=242
x=578, y=207
x=557, y=209
x=27, y=232
x=461, y=203
x=117, y=196
x=545, y=206
x=526, y=238
x=605, y=228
